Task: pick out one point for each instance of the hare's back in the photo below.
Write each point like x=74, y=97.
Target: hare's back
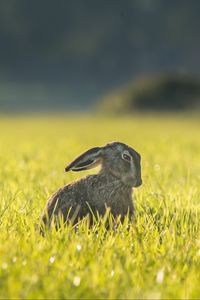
x=67, y=199
x=68, y=196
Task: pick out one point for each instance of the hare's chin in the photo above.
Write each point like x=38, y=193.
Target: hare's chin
x=137, y=183
x=128, y=181
x=132, y=182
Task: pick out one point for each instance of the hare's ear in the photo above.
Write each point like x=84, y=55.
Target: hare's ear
x=89, y=159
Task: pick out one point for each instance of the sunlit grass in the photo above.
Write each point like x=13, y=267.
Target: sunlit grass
x=158, y=257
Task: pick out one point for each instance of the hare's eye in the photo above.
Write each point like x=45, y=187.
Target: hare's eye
x=126, y=157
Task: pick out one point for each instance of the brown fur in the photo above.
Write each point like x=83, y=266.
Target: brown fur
x=110, y=188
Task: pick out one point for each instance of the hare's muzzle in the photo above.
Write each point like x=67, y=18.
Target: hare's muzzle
x=137, y=182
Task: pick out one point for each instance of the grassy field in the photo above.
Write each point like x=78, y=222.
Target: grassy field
x=159, y=257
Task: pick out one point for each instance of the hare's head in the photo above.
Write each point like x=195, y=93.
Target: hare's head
x=116, y=158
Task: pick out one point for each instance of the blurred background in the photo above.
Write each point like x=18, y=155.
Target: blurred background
x=111, y=55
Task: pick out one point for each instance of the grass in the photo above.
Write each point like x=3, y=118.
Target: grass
x=158, y=257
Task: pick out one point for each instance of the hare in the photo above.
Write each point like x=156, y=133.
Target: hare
x=110, y=188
